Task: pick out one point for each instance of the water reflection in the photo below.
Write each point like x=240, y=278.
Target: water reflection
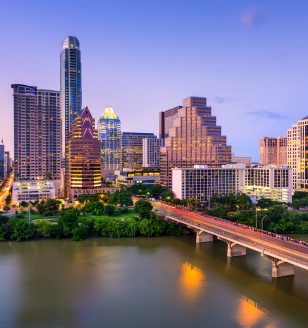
x=190, y=282
x=251, y=314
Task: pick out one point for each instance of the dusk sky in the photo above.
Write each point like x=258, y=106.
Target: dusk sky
x=248, y=58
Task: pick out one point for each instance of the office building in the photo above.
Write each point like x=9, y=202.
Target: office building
x=82, y=157
x=109, y=134
x=193, y=139
x=246, y=160
x=37, y=190
x=273, y=151
x=166, y=121
x=7, y=162
x=297, y=154
x=147, y=176
x=202, y=182
x=70, y=85
x=151, y=152
x=2, y=162
x=37, y=133
x=131, y=149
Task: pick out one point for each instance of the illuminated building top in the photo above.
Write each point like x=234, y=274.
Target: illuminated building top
x=110, y=114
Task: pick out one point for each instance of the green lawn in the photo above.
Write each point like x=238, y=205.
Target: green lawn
x=36, y=216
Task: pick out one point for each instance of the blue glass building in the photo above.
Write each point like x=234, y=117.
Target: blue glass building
x=109, y=133
x=70, y=85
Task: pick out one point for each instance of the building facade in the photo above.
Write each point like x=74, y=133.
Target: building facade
x=2, y=162
x=37, y=133
x=128, y=177
x=7, y=162
x=263, y=182
x=82, y=157
x=109, y=134
x=298, y=155
x=193, y=139
x=70, y=85
x=36, y=190
x=151, y=152
x=273, y=151
x=131, y=149
x=246, y=160
x=166, y=121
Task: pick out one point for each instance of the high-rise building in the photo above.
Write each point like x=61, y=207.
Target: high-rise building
x=151, y=152
x=273, y=151
x=82, y=157
x=7, y=162
x=2, y=162
x=70, y=85
x=193, y=139
x=109, y=134
x=166, y=121
x=297, y=154
x=131, y=149
x=37, y=133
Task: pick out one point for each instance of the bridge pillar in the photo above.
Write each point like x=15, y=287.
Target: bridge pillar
x=235, y=250
x=203, y=237
x=280, y=268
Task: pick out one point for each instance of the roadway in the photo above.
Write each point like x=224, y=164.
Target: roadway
x=6, y=190
x=251, y=239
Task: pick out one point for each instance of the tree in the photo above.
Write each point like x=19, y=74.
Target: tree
x=40, y=207
x=80, y=232
x=167, y=195
x=44, y=227
x=109, y=209
x=53, y=205
x=69, y=221
x=23, y=230
x=176, y=201
x=145, y=204
x=48, y=175
x=8, y=199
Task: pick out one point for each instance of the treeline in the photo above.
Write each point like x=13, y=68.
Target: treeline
x=71, y=225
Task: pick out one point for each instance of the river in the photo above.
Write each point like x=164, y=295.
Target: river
x=144, y=282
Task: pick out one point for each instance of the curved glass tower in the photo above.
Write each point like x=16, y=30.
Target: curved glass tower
x=70, y=85
x=109, y=133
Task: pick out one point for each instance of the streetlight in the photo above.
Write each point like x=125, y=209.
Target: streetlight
x=262, y=254
x=256, y=217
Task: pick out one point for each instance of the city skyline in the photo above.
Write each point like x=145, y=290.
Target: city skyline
x=251, y=75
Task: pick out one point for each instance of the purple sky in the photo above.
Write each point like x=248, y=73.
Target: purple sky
x=142, y=57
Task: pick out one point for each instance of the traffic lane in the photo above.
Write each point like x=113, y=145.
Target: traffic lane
x=268, y=240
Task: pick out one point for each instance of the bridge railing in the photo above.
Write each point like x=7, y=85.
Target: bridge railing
x=240, y=239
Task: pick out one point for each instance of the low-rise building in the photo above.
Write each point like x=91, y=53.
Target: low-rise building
x=246, y=160
x=36, y=189
x=128, y=177
x=262, y=182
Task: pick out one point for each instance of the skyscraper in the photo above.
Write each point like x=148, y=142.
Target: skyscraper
x=194, y=138
x=297, y=154
x=109, y=134
x=131, y=149
x=37, y=133
x=273, y=151
x=82, y=157
x=70, y=85
x=151, y=152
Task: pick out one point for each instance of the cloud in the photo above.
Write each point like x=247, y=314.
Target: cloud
x=266, y=114
x=221, y=100
x=278, y=54
x=252, y=18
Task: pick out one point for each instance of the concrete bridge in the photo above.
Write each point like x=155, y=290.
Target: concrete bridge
x=283, y=254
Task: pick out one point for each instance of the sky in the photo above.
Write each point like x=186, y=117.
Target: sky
x=248, y=58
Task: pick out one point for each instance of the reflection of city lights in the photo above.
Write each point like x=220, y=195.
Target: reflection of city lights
x=250, y=314
x=191, y=281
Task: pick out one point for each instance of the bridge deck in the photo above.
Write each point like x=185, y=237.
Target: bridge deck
x=287, y=251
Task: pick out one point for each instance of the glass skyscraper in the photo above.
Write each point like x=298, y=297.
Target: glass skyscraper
x=109, y=133
x=70, y=85
x=2, y=170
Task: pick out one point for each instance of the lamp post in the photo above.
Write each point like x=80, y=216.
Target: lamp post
x=262, y=254
x=29, y=205
x=256, y=217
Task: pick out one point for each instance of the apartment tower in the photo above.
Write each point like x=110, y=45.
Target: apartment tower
x=193, y=138
x=37, y=133
x=273, y=151
x=70, y=85
x=151, y=152
x=297, y=154
x=131, y=149
x=2, y=162
x=109, y=134
x=82, y=157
